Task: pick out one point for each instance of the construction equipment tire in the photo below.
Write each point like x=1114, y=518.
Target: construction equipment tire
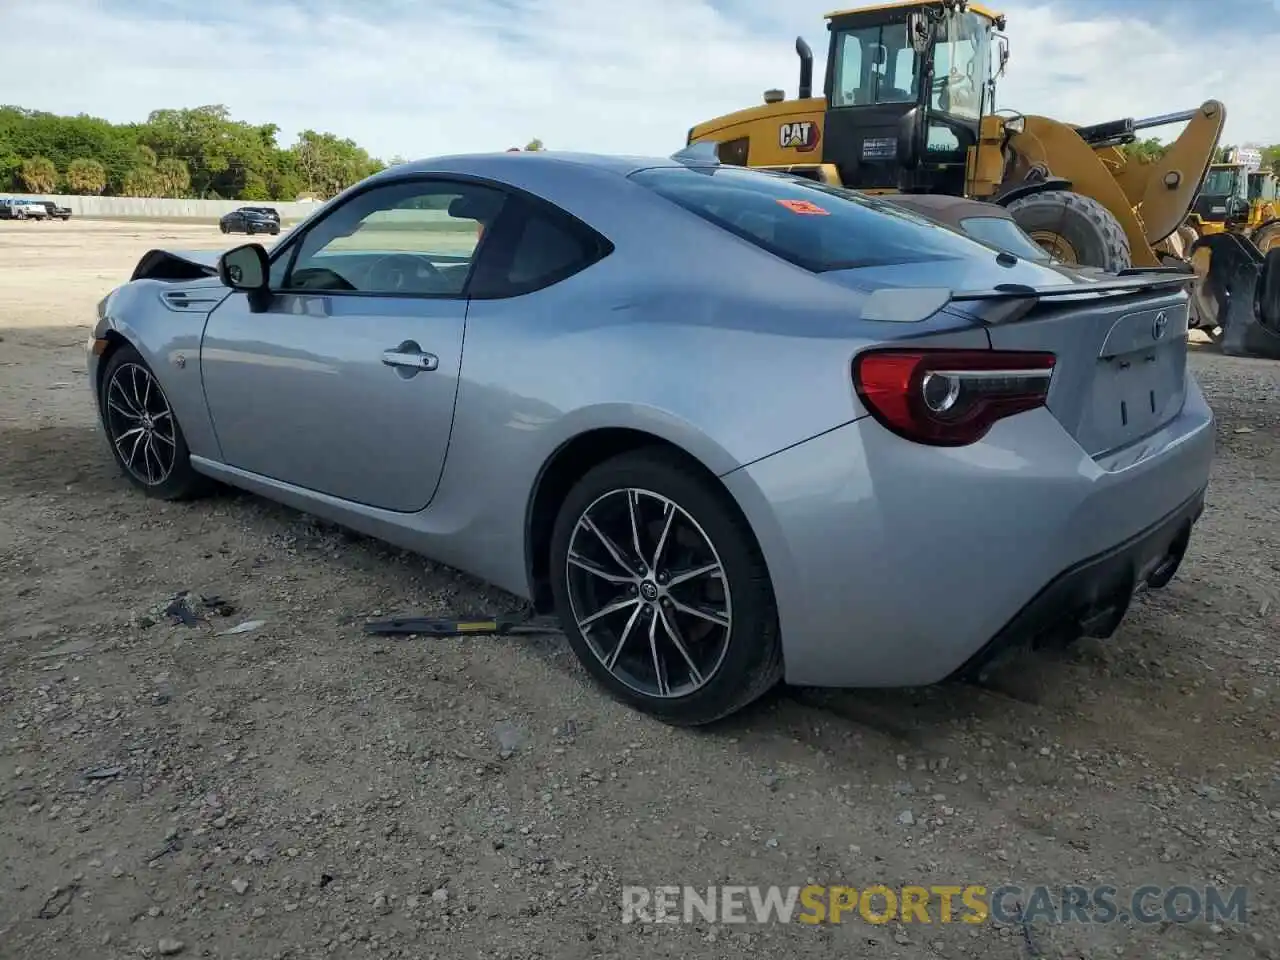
x=1268, y=238
x=1074, y=229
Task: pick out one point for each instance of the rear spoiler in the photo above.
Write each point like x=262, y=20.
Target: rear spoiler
x=914, y=304
x=1125, y=282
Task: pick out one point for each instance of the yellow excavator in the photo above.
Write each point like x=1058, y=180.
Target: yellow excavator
x=908, y=106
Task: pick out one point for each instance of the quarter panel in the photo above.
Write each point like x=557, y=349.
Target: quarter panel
x=893, y=562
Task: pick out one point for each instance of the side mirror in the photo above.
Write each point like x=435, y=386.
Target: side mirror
x=1268, y=302
x=910, y=136
x=920, y=30
x=245, y=268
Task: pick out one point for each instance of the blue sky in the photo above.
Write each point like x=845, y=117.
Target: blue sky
x=424, y=77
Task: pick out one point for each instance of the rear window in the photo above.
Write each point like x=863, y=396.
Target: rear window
x=813, y=225
x=1005, y=235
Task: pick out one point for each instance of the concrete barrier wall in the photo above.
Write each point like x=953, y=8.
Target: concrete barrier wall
x=154, y=208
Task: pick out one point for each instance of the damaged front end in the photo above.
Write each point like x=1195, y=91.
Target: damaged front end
x=176, y=266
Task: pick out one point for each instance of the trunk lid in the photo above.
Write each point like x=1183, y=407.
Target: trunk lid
x=1121, y=363
x=1120, y=340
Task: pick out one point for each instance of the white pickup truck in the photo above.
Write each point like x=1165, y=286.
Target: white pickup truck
x=12, y=208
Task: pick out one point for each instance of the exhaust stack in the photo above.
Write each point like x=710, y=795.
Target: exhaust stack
x=806, y=69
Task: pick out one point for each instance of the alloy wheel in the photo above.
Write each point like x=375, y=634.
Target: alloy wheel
x=648, y=592
x=140, y=424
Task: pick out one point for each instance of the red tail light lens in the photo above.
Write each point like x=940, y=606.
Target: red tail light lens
x=949, y=398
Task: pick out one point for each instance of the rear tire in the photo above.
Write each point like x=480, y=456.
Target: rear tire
x=711, y=663
x=1093, y=236
x=146, y=439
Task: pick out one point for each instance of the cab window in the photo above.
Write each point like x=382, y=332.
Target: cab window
x=874, y=65
x=961, y=66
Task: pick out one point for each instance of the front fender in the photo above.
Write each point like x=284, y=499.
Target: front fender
x=1027, y=188
x=167, y=332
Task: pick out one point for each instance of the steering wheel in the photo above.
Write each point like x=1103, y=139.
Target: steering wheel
x=397, y=272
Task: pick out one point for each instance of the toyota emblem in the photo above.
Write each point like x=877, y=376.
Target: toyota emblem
x=1158, y=325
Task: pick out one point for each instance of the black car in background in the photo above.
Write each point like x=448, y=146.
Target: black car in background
x=251, y=220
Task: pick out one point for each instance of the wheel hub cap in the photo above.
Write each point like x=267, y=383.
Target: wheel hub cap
x=649, y=590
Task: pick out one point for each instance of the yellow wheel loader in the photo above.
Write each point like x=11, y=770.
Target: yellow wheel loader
x=908, y=106
x=1239, y=198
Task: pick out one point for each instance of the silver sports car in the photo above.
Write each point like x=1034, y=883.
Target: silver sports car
x=731, y=427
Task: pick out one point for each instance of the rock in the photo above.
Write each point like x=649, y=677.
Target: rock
x=168, y=946
x=440, y=896
x=240, y=885
x=510, y=738
x=906, y=818
x=258, y=855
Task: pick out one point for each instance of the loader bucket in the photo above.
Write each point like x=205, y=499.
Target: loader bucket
x=1234, y=286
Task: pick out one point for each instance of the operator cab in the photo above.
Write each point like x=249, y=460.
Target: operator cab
x=1225, y=194
x=907, y=86
x=1262, y=187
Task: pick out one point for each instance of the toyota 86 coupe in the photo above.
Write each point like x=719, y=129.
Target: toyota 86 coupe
x=730, y=427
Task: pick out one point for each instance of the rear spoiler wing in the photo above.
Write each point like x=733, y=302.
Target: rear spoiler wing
x=914, y=304
x=1125, y=282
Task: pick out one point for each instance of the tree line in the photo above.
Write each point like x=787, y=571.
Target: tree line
x=196, y=152
x=1153, y=148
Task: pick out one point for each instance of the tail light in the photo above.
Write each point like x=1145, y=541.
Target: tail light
x=949, y=398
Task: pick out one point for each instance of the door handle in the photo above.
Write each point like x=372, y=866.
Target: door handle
x=410, y=355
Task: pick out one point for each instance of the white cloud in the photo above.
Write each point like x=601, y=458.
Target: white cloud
x=446, y=76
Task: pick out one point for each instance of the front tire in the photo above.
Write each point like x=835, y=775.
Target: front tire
x=662, y=590
x=1074, y=229
x=145, y=437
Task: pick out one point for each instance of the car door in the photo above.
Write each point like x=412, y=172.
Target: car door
x=344, y=382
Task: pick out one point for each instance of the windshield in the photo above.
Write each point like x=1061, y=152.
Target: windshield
x=961, y=65
x=812, y=225
x=1222, y=182
x=874, y=65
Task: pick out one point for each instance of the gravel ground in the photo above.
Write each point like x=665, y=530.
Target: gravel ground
x=302, y=791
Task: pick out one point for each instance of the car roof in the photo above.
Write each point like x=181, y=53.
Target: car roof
x=621, y=165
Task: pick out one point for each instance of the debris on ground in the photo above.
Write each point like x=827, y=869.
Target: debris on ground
x=247, y=627
x=185, y=609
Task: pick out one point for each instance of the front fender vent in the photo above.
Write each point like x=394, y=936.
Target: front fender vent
x=189, y=301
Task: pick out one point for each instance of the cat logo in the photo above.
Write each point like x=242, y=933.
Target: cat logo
x=802, y=135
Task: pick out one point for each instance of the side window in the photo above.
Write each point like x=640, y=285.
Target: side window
x=412, y=237
x=734, y=151
x=539, y=246
x=849, y=89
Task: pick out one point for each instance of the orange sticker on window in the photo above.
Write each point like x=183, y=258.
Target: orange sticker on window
x=805, y=207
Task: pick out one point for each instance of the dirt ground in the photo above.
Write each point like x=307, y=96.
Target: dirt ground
x=302, y=790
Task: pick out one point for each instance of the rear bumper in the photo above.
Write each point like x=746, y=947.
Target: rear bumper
x=895, y=564
x=1091, y=598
